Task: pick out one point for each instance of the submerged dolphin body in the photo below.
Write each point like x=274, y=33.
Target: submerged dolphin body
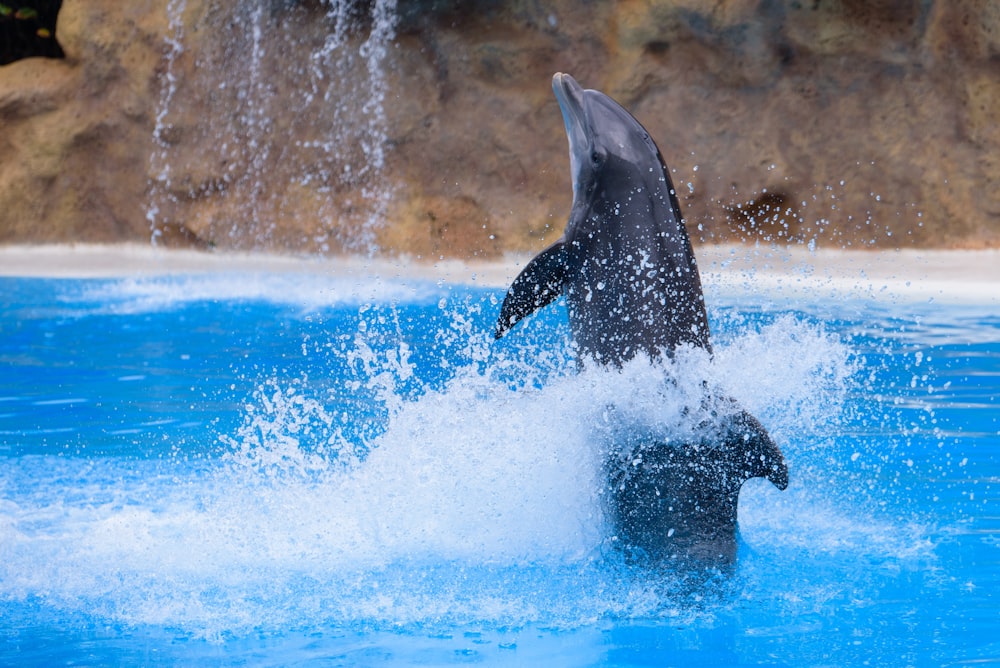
x=627, y=269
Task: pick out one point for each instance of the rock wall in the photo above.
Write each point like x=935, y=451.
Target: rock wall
x=845, y=123
x=75, y=132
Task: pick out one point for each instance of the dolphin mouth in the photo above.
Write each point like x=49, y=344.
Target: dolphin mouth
x=570, y=97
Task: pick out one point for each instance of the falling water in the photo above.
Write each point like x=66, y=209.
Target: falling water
x=281, y=118
x=158, y=160
x=257, y=121
x=337, y=57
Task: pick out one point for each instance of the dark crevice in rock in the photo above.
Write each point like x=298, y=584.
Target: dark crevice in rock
x=28, y=30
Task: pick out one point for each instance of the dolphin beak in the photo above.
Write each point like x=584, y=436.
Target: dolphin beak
x=568, y=92
x=570, y=96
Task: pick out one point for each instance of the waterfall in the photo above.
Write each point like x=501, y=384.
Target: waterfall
x=273, y=132
x=359, y=107
x=159, y=165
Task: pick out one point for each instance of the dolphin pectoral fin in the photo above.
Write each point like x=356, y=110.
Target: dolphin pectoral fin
x=760, y=455
x=538, y=284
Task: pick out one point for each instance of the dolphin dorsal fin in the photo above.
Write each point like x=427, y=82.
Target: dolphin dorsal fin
x=755, y=454
x=538, y=284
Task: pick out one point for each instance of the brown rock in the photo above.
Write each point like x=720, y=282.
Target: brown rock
x=968, y=30
x=33, y=87
x=841, y=122
x=434, y=227
x=980, y=113
x=882, y=30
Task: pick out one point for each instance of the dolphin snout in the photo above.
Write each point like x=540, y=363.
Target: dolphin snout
x=564, y=83
x=570, y=97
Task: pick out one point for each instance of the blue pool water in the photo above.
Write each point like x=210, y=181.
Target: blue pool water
x=278, y=469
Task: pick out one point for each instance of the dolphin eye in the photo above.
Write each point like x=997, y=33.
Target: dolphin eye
x=595, y=157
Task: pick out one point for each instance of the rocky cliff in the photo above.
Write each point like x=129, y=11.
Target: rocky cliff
x=415, y=127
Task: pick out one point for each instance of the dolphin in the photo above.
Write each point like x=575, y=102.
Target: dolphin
x=677, y=502
x=627, y=269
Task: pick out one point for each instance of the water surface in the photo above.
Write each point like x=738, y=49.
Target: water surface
x=278, y=469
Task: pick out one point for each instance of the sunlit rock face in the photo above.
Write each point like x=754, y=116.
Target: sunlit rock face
x=75, y=132
x=416, y=128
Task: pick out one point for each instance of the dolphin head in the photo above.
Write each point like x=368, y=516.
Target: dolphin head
x=602, y=136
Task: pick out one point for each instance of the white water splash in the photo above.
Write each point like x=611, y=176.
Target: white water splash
x=478, y=500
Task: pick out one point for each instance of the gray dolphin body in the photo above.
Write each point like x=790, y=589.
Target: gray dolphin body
x=627, y=269
x=625, y=261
